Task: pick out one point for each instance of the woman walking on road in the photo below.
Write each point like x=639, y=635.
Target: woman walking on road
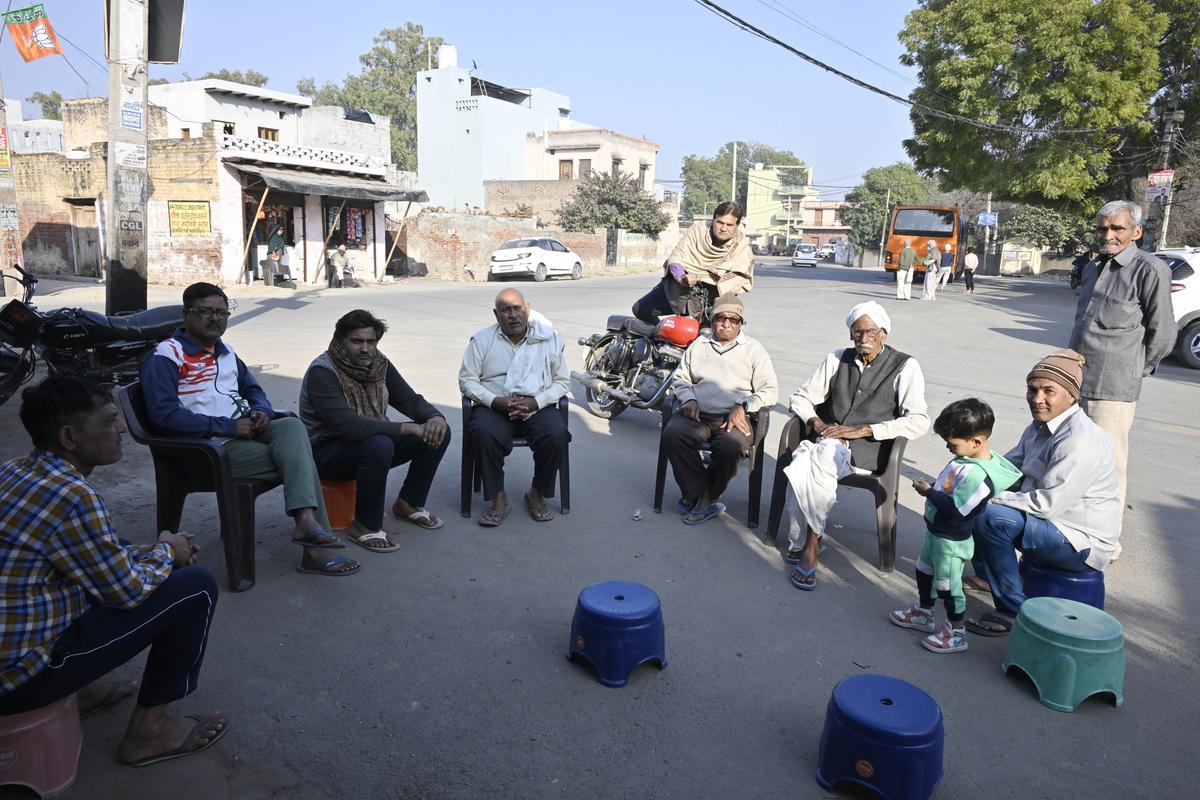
x=970, y=264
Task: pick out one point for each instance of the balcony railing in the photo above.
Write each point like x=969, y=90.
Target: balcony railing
x=299, y=155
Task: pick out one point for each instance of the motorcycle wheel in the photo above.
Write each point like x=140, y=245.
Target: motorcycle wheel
x=15, y=369
x=606, y=407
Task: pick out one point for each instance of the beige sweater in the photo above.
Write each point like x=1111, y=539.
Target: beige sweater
x=718, y=377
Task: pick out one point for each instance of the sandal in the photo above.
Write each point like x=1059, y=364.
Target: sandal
x=328, y=568
x=684, y=507
x=699, y=516
x=492, y=519
x=188, y=747
x=321, y=539
x=421, y=518
x=362, y=541
x=799, y=572
x=114, y=693
x=916, y=618
x=536, y=514
x=948, y=640
x=990, y=624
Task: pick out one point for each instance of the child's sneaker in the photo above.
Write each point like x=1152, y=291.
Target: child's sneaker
x=948, y=640
x=915, y=617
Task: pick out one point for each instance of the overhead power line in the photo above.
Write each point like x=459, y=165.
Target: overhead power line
x=738, y=22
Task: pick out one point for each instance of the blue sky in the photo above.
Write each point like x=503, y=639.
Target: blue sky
x=666, y=69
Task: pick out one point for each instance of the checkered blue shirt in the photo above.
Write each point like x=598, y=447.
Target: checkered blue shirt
x=59, y=555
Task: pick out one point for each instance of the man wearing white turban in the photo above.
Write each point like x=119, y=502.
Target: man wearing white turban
x=861, y=396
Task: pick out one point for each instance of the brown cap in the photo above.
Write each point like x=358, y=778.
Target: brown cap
x=1064, y=367
x=729, y=304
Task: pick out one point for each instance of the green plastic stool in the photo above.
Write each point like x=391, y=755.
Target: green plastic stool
x=1069, y=650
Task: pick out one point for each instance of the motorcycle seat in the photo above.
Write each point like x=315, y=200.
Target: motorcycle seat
x=151, y=324
x=621, y=322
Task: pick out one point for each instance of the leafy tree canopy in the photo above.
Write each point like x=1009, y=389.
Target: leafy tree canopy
x=707, y=180
x=385, y=85
x=51, y=103
x=605, y=200
x=867, y=202
x=1046, y=227
x=250, y=77
x=1045, y=64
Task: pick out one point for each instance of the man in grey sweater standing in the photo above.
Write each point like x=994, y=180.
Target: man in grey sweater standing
x=1124, y=326
x=724, y=377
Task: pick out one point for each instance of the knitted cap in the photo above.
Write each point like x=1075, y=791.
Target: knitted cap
x=729, y=304
x=1064, y=367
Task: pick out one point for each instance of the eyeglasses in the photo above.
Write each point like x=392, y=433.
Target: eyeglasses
x=727, y=318
x=1106, y=228
x=209, y=313
x=871, y=334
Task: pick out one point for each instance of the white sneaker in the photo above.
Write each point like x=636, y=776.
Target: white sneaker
x=915, y=617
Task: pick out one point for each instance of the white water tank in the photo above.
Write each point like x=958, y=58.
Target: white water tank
x=447, y=56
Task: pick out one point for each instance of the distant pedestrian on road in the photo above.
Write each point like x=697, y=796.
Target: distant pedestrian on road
x=946, y=270
x=1124, y=325
x=970, y=264
x=904, y=273
x=932, y=259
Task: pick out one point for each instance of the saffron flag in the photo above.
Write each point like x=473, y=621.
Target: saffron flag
x=30, y=28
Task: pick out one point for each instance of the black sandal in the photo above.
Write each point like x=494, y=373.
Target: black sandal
x=990, y=624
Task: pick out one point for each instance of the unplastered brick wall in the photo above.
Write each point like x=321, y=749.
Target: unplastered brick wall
x=85, y=122
x=543, y=198
x=42, y=182
x=458, y=246
x=182, y=170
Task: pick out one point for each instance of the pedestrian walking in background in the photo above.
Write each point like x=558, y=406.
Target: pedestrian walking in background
x=932, y=259
x=904, y=273
x=946, y=270
x=970, y=264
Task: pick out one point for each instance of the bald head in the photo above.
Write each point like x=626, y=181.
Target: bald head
x=512, y=314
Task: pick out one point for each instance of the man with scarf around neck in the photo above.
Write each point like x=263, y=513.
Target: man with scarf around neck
x=514, y=373
x=344, y=400
x=195, y=385
x=861, y=395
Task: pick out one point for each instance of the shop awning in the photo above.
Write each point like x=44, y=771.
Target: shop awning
x=332, y=185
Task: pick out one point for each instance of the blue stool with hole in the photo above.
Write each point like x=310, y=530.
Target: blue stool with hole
x=618, y=626
x=882, y=733
x=1082, y=587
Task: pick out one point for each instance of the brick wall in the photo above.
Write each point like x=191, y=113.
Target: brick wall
x=182, y=169
x=545, y=198
x=42, y=181
x=85, y=122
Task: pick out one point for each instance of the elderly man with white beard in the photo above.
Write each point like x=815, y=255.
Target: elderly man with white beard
x=858, y=398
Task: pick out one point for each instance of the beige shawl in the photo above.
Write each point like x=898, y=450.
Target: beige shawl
x=729, y=267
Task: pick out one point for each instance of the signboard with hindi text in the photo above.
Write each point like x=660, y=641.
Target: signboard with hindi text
x=189, y=217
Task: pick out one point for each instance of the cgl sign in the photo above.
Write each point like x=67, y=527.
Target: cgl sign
x=130, y=224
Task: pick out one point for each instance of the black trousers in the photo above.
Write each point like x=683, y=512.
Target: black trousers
x=668, y=297
x=969, y=280
x=368, y=461
x=683, y=438
x=173, y=622
x=493, y=434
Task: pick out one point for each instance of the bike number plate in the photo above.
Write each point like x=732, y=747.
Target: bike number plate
x=19, y=324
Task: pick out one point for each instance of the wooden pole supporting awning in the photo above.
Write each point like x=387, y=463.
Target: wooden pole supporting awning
x=253, y=224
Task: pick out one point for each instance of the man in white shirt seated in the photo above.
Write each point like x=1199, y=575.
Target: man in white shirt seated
x=1065, y=515
x=514, y=373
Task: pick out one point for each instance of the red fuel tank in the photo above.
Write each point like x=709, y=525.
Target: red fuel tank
x=677, y=330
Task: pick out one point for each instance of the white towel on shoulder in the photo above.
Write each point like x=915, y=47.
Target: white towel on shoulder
x=530, y=371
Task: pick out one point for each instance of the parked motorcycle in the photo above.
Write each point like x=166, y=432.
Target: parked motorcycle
x=633, y=363
x=72, y=341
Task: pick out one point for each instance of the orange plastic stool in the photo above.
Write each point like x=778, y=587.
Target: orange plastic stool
x=39, y=749
x=339, y=502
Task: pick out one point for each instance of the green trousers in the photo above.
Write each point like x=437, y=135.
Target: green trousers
x=282, y=453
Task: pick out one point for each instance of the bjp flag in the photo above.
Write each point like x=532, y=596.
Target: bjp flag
x=30, y=28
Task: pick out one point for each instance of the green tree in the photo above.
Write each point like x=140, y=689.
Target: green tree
x=604, y=200
x=51, y=103
x=1046, y=64
x=385, y=85
x=866, y=203
x=707, y=180
x=1045, y=227
x=250, y=77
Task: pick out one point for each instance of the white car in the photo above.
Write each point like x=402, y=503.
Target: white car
x=540, y=257
x=1185, y=300
x=805, y=256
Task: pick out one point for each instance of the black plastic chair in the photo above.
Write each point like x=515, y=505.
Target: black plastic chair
x=472, y=478
x=883, y=485
x=183, y=465
x=760, y=421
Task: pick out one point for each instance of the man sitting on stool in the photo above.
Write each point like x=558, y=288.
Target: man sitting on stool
x=77, y=601
x=724, y=377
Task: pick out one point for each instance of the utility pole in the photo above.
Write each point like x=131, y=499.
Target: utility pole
x=125, y=281
x=733, y=175
x=10, y=233
x=987, y=233
x=883, y=230
x=1172, y=120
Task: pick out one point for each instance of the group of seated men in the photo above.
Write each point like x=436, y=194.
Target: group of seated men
x=78, y=601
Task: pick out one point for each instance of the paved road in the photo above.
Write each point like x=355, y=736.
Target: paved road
x=438, y=671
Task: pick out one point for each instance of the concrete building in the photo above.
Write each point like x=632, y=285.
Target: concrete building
x=31, y=135
x=775, y=200
x=470, y=130
x=227, y=164
x=822, y=222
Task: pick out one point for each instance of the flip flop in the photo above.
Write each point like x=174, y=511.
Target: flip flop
x=683, y=506
x=322, y=539
x=542, y=514
x=990, y=624
x=491, y=520
x=185, y=749
x=327, y=568
x=113, y=694
x=362, y=540
x=421, y=518
x=803, y=573
x=699, y=516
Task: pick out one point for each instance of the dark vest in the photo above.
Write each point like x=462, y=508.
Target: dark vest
x=864, y=398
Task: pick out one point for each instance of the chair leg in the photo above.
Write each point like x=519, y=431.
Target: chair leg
x=171, y=497
x=246, y=532
x=755, y=488
x=468, y=469
x=885, y=521
x=564, y=479
x=231, y=538
x=779, y=488
x=660, y=477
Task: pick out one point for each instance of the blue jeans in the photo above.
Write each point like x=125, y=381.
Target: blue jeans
x=999, y=530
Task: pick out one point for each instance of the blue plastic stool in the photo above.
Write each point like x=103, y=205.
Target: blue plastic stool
x=1082, y=587
x=618, y=626
x=882, y=733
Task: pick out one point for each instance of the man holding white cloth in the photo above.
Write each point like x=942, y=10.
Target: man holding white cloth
x=858, y=397
x=514, y=373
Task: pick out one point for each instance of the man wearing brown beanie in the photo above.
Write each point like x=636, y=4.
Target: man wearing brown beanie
x=1124, y=326
x=1065, y=513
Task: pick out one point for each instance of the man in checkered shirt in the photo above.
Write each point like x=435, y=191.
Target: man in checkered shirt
x=76, y=602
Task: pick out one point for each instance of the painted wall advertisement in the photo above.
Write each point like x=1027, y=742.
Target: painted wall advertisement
x=189, y=217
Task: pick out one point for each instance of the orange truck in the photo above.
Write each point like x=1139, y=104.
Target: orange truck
x=919, y=224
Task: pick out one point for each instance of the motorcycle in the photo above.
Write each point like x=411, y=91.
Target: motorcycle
x=633, y=363
x=72, y=341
